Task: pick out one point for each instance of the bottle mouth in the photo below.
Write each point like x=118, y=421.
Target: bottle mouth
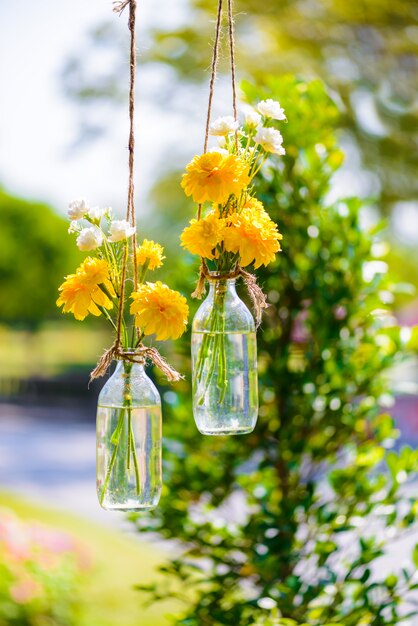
x=221, y=276
x=132, y=352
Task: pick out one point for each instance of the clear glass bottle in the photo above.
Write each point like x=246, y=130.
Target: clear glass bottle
x=128, y=435
x=224, y=363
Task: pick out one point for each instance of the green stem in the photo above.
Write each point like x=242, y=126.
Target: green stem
x=131, y=448
x=106, y=291
x=136, y=466
x=107, y=316
x=212, y=349
x=128, y=460
x=222, y=381
x=115, y=439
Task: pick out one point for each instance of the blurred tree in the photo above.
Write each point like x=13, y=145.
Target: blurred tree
x=366, y=51
x=287, y=526
x=35, y=253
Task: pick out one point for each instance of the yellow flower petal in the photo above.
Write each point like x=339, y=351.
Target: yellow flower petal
x=253, y=234
x=214, y=176
x=202, y=236
x=151, y=252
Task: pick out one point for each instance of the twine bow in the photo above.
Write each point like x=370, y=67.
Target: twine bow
x=142, y=353
x=257, y=295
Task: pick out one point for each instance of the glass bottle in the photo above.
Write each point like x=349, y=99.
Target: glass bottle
x=224, y=363
x=128, y=435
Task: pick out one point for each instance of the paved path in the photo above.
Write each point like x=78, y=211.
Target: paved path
x=51, y=460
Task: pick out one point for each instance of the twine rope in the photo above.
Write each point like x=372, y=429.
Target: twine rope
x=116, y=351
x=257, y=295
x=255, y=292
x=232, y=56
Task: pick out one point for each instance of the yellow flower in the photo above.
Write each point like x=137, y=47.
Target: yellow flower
x=214, y=176
x=253, y=234
x=152, y=252
x=94, y=271
x=159, y=310
x=80, y=293
x=203, y=235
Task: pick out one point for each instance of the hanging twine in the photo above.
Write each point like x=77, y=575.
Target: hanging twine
x=258, y=297
x=116, y=351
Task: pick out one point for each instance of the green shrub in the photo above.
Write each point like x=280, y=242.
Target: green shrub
x=35, y=253
x=297, y=515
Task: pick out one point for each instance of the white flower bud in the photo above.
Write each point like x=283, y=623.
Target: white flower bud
x=74, y=227
x=95, y=214
x=271, y=140
x=223, y=126
x=120, y=230
x=219, y=149
x=77, y=209
x=271, y=108
x=89, y=239
x=252, y=118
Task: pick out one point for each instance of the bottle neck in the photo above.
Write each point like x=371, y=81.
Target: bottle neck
x=128, y=367
x=222, y=286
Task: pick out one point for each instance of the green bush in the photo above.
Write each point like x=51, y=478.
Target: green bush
x=287, y=525
x=35, y=253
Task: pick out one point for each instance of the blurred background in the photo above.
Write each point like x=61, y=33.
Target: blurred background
x=63, y=135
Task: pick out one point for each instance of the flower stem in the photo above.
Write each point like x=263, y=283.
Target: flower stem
x=115, y=439
x=212, y=352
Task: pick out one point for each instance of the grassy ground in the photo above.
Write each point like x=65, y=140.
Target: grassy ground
x=120, y=562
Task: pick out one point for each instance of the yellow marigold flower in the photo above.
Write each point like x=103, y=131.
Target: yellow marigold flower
x=253, y=234
x=202, y=236
x=94, y=271
x=214, y=176
x=80, y=293
x=151, y=252
x=160, y=310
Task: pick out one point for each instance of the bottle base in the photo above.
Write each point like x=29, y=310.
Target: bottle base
x=224, y=431
x=129, y=508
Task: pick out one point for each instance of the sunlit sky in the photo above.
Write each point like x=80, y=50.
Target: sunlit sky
x=38, y=125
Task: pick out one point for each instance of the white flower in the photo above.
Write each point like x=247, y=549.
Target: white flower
x=223, y=126
x=222, y=142
x=77, y=209
x=95, y=214
x=252, y=118
x=119, y=230
x=89, y=239
x=271, y=108
x=74, y=227
x=219, y=149
x=271, y=140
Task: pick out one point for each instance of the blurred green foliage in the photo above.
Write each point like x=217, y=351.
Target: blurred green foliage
x=35, y=254
x=366, y=51
x=287, y=526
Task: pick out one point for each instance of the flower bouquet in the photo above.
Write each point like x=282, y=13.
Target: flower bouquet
x=129, y=406
x=234, y=232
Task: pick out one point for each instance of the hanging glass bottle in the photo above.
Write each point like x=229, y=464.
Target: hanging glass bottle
x=129, y=432
x=224, y=362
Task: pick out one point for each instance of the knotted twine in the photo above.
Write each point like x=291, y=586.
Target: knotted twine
x=258, y=297
x=142, y=353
